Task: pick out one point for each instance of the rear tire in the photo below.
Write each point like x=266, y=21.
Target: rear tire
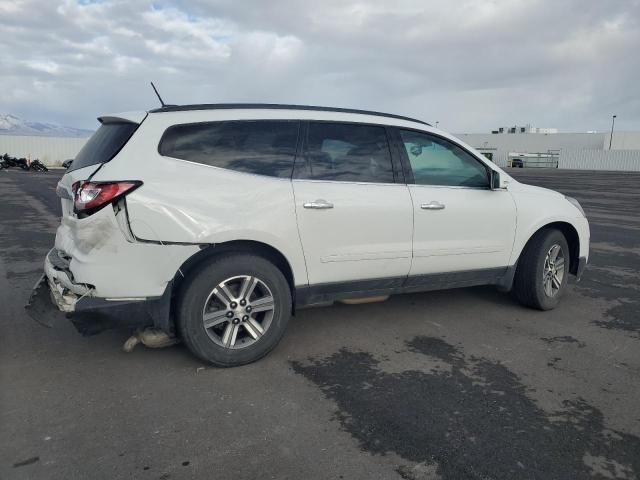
x=231, y=294
x=543, y=270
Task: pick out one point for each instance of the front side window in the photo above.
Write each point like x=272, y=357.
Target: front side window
x=348, y=153
x=262, y=147
x=436, y=161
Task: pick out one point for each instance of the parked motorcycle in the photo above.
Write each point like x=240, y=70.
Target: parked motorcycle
x=7, y=161
x=22, y=163
x=10, y=161
x=4, y=161
x=38, y=166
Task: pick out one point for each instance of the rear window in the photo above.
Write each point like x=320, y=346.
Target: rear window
x=104, y=144
x=262, y=147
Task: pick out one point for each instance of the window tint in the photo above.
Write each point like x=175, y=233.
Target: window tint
x=104, y=144
x=263, y=147
x=348, y=153
x=436, y=161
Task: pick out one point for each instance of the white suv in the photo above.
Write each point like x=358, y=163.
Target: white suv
x=214, y=223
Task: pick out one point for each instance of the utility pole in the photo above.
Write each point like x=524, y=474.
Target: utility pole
x=613, y=122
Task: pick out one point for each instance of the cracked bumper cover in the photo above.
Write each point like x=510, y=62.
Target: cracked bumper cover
x=56, y=297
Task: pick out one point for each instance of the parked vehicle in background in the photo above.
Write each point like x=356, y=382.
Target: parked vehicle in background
x=548, y=159
x=215, y=223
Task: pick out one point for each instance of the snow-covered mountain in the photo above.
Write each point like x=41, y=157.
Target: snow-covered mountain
x=12, y=125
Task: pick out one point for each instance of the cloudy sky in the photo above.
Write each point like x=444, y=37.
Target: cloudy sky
x=472, y=65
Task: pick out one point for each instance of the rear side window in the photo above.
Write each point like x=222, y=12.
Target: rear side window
x=262, y=147
x=104, y=144
x=348, y=153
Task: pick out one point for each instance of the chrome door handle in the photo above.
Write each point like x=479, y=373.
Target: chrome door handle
x=432, y=205
x=318, y=205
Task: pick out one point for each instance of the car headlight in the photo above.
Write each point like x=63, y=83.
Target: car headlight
x=576, y=204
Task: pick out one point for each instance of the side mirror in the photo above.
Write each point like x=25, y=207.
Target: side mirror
x=496, y=181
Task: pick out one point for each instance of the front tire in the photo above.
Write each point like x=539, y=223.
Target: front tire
x=234, y=310
x=543, y=271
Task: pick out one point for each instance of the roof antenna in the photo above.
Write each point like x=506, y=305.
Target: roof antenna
x=159, y=97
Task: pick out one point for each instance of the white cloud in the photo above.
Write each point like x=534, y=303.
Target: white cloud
x=471, y=64
x=45, y=66
x=124, y=64
x=184, y=36
x=10, y=6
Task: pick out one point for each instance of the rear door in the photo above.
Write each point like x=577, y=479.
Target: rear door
x=460, y=224
x=355, y=221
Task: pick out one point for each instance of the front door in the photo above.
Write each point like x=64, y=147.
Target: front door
x=460, y=224
x=355, y=222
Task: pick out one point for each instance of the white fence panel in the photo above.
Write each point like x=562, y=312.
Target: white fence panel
x=501, y=158
x=49, y=150
x=625, y=160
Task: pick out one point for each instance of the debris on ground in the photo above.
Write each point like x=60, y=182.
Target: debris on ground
x=149, y=337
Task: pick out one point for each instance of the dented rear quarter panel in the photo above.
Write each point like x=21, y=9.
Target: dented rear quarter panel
x=101, y=256
x=186, y=202
x=104, y=255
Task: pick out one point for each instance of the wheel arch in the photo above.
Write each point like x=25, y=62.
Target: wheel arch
x=573, y=240
x=208, y=252
x=570, y=234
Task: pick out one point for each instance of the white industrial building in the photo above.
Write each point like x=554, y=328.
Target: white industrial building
x=526, y=129
x=589, y=151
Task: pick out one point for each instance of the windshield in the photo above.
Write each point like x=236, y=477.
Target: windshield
x=104, y=144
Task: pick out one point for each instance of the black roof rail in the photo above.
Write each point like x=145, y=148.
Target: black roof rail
x=276, y=106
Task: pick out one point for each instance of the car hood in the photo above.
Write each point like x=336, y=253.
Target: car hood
x=518, y=187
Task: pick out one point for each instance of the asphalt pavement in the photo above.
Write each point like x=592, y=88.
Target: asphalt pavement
x=454, y=384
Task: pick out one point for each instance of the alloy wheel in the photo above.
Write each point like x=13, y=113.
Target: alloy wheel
x=238, y=311
x=553, y=274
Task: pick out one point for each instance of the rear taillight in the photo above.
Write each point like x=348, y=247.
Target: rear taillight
x=89, y=197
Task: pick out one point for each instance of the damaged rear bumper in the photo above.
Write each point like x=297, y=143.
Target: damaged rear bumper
x=42, y=306
x=57, y=297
